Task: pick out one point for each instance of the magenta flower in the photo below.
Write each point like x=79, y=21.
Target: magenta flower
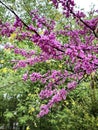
x=72, y=85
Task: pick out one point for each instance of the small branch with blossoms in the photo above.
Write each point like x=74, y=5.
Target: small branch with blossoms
x=18, y=18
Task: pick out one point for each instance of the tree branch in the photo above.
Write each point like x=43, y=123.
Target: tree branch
x=18, y=17
x=88, y=26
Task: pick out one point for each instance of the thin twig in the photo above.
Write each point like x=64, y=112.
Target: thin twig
x=88, y=26
x=19, y=18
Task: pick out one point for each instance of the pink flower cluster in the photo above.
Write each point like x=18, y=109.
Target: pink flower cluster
x=57, y=97
x=68, y=6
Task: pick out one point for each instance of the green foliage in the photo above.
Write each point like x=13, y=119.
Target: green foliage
x=8, y=115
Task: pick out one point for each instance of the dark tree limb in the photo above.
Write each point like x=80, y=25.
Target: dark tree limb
x=18, y=17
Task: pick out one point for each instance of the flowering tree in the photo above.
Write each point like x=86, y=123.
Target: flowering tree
x=78, y=57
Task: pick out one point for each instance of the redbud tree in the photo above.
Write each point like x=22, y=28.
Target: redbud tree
x=78, y=56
